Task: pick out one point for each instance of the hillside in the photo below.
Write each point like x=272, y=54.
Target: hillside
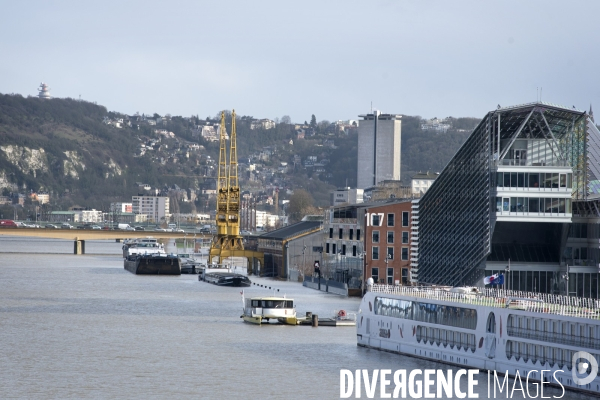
x=62, y=146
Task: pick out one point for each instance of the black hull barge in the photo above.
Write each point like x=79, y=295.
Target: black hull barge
x=226, y=279
x=153, y=264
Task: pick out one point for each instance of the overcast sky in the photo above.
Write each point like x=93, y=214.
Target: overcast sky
x=328, y=58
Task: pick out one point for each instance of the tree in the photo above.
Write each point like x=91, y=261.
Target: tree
x=286, y=119
x=313, y=121
x=301, y=202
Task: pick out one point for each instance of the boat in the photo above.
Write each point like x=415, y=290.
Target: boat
x=208, y=269
x=148, y=241
x=189, y=265
x=227, y=279
x=153, y=264
x=149, y=258
x=508, y=331
x=260, y=310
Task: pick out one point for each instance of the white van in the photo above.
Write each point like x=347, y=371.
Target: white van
x=125, y=227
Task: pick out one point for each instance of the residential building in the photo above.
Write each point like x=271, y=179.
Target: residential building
x=387, y=238
x=379, y=143
x=77, y=216
x=421, y=182
x=436, y=124
x=156, y=208
x=262, y=124
x=346, y=196
x=121, y=207
x=521, y=196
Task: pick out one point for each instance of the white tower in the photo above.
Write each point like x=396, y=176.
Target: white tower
x=44, y=91
x=379, y=149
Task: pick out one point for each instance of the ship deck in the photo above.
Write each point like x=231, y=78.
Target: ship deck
x=577, y=307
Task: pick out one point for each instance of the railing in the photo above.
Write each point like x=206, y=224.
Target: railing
x=530, y=163
x=544, y=303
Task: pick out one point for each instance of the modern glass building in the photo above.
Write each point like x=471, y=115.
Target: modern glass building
x=523, y=191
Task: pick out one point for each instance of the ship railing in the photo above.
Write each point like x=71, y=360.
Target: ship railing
x=577, y=307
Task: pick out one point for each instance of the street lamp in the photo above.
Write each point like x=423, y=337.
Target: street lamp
x=386, y=261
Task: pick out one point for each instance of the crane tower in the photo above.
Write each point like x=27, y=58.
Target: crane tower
x=228, y=242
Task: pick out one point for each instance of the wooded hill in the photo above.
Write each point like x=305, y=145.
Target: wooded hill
x=63, y=147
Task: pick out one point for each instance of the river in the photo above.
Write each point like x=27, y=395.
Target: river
x=83, y=327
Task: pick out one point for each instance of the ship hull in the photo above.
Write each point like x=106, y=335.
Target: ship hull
x=153, y=265
x=475, y=334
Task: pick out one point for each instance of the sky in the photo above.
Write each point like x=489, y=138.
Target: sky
x=334, y=59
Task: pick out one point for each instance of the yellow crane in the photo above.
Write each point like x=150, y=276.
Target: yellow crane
x=228, y=242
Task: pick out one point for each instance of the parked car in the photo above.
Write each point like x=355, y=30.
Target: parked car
x=51, y=226
x=96, y=227
x=7, y=223
x=179, y=230
x=138, y=228
x=67, y=226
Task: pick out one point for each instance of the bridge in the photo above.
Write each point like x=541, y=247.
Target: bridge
x=79, y=236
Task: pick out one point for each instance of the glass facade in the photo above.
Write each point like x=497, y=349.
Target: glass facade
x=553, y=157
x=426, y=312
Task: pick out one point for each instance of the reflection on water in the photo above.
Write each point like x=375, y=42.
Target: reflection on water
x=82, y=327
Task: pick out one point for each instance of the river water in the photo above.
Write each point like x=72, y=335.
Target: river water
x=83, y=327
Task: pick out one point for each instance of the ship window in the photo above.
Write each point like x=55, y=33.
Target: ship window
x=491, y=323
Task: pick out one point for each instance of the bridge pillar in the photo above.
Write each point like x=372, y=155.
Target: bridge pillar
x=79, y=247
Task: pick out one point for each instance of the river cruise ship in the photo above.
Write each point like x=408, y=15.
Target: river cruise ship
x=501, y=330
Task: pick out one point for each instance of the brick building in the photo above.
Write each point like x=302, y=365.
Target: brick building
x=387, y=238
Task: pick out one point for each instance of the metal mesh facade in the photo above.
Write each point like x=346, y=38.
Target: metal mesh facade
x=457, y=214
x=454, y=214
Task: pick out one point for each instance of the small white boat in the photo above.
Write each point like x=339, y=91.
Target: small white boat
x=260, y=310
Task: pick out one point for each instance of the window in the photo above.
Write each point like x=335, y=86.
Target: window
x=390, y=276
x=405, y=276
x=375, y=238
x=404, y=218
x=375, y=274
x=330, y=233
x=405, y=253
x=375, y=220
x=351, y=234
x=327, y=248
x=390, y=237
x=390, y=253
x=333, y=249
x=390, y=221
x=343, y=250
x=375, y=252
x=354, y=251
x=404, y=237
x=341, y=233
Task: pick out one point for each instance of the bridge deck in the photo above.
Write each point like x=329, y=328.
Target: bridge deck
x=84, y=234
